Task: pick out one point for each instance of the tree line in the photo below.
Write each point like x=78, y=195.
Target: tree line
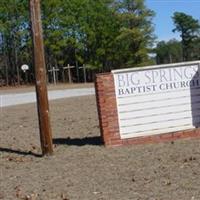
x=188, y=48
x=100, y=34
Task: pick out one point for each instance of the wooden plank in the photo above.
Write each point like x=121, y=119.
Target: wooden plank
x=160, y=96
x=155, y=132
x=160, y=111
x=159, y=125
x=157, y=118
x=158, y=104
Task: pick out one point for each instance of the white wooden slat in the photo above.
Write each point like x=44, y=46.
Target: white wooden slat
x=141, y=94
x=154, y=104
x=160, y=125
x=160, y=111
x=155, y=132
x=158, y=119
x=160, y=96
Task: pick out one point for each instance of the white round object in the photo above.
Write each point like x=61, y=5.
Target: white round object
x=24, y=67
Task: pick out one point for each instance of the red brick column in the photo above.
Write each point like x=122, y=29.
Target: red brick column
x=108, y=117
x=107, y=109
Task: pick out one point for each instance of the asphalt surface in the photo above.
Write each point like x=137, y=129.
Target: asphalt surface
x=30, y=97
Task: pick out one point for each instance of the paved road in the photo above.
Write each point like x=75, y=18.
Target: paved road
x=30, y=97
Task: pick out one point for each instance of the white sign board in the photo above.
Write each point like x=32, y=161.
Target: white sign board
x=158, y=99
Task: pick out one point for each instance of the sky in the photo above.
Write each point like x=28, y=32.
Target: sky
x=164, y=10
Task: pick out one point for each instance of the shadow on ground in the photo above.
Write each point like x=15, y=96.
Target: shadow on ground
x=78, y=141
x=58, y=141
x=23, y=153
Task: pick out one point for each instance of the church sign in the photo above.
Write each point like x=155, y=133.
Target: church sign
x=154, y=100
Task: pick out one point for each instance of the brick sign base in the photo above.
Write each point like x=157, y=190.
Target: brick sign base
x=108, y=117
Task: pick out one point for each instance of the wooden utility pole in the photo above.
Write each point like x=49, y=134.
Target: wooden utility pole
x=40, y=75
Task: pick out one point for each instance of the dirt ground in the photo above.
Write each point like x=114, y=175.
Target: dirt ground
x=82, y=168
